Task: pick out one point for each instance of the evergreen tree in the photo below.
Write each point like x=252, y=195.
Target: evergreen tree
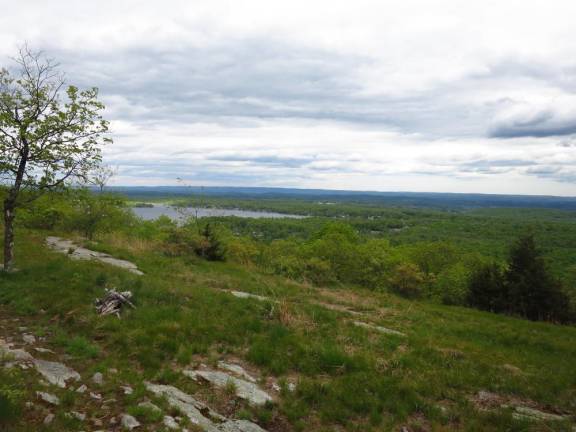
x=212, y=248
x=532, y=292
x=487, y=290
x=526, y=288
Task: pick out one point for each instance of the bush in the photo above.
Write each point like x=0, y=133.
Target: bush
x=407, y=280
x=451, y=285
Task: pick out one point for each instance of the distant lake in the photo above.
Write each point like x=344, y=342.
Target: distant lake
x=151, y=213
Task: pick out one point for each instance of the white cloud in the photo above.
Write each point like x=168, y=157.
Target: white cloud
x=427, y=95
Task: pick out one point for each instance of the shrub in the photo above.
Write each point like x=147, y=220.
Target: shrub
x=407, y=280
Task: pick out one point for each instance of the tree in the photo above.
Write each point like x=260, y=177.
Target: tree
x=96, y=213
x=210, y=246
x=101, y=176
x=526, y=288
x=532, y=291
x=407, y=280
x=487, y=290
x=49, y=133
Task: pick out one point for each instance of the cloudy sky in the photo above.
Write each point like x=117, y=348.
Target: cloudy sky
x=390, y=95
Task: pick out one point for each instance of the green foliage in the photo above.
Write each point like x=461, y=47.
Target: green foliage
x=487, y=290
x=79, y=347
x=93, y=214
x=451, y=285
x=210, y=245
x=407, y=280
x=526, y=288
x=349, y=378
x=11, y=396
x=46, y=138
x=532, y=292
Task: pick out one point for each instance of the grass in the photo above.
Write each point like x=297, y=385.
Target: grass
x=348, y=377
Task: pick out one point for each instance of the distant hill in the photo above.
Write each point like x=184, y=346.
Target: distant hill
x=416, y=199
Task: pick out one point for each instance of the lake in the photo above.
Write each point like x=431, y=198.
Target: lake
x=151, y=213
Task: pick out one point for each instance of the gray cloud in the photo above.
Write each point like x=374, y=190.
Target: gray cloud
x=274, y=161
x=239, y=94
x=241, y=81
x=542, y=124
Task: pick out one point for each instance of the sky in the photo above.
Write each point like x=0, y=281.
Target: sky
x=387, y=95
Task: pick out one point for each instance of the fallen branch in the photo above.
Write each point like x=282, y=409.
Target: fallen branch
x=113, y=302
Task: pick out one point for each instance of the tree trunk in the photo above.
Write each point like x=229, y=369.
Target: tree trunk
x=9, y=209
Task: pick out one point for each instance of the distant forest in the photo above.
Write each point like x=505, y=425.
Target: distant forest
x=416, y=199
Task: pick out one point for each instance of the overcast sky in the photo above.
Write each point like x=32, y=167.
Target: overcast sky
x=407, y=95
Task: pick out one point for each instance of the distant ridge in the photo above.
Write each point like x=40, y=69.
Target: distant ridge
x=415, y=199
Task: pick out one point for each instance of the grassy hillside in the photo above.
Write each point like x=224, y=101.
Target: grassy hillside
x=347, y=377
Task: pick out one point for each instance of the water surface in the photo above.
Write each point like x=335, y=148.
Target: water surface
x=151, y=213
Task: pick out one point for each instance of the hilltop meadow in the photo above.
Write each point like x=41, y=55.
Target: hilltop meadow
x=362, y=316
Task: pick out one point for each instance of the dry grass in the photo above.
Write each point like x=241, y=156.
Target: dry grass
x=132, y=244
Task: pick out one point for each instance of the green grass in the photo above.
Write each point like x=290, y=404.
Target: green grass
x=348, y=376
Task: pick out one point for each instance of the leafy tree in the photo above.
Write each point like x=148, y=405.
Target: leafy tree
x=101, y=176
x=434, y=257
x=407, y=280
x=451, y=285
x=336, y=244
x=97, y=213
x=49, y=133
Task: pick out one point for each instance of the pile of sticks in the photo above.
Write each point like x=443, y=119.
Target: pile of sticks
x=113, y=302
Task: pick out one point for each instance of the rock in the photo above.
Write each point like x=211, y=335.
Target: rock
x=170, y=422
x=512, y=369
x=149, y=405
x=70, y=249
x=29, y=338
x=49, y=419
x=129, y=422
x=291, y=387
x=98, y=378
x=198, y=413
x=240, y=426
x=43, y=350
x=127, y=390
x=49, y=398
x=96, y=396
x=378, y=328
x=97, y=422
x=525, y=413
x=76, y=415
x=22, y=329
x=56, y=373
x=486, y=399
x=244, y=389
x=82, y=389
x=237, y=369
x=17, y=355
x=245, y=295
